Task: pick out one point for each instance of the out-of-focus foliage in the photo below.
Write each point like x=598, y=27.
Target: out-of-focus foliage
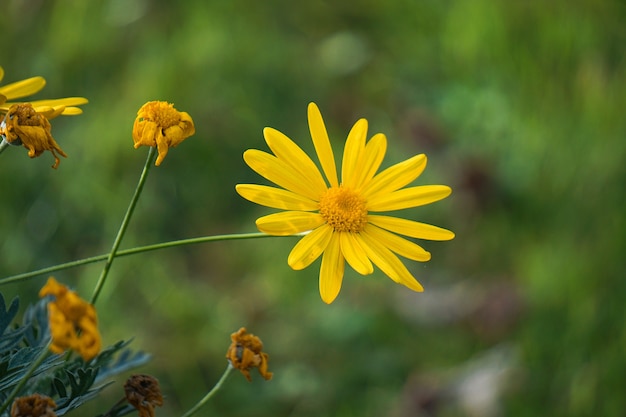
x=519, y=106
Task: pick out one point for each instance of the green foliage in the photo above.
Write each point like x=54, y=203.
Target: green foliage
x=69, y=381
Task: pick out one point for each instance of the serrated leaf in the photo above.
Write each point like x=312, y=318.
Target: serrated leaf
x=65, y=405
x=7, y=316
x=59, y=387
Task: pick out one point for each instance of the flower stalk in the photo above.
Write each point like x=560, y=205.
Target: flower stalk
x=211, y=393
x=124, y=225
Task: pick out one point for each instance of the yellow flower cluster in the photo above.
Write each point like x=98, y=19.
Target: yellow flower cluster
x=73, y=322
x=27, y=123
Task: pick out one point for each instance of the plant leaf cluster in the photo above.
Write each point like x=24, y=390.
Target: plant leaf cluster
x=67, y=379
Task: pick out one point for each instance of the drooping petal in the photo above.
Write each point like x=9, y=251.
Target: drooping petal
x=389, y=263
x=373, y=155
x=322, y=144
x=286, y=150
x=309, y=248
x=280, y=173
x=275, y=197
x=353, y=152
x=22, y=88
x=396, y=176
x=331, y=271
x=408, y=197
x=354, y=253
x=410, y=228
x=288, y=223
x=397, y=244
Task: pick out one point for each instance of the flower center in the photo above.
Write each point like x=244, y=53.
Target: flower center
x=162, y=113
x=343, y=209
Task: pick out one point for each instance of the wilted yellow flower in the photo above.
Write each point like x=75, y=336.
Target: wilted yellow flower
x=144, y=393
x=159, y=124
x=246, y=352
x=35, y=405
x=339, y=216
x=23, y=125
x=73, y=322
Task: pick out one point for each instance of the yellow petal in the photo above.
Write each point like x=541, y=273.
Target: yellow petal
x=322, y=144
x=410, y=228
x=287, y=151
x=22, y=88
x=373, y=156
x=280, y=173
x=389, y=263
x=331, y=271
x=398, y=244
x=396, y=176
x=289, y=222
x=275, y=197
x=352, y=153
x=408, y=197
x=310, y=247
x=66, y=101
x=354, y=254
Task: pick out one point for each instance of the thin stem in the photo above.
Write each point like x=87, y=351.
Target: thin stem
x=210, y=394
x=132, y=251
x=3, y=145
x=31, y=369
x=124, y=225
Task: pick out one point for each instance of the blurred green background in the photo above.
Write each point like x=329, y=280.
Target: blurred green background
x=520, y=107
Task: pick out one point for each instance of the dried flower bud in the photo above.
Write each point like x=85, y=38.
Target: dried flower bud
x=35, y=405
x=143, y=393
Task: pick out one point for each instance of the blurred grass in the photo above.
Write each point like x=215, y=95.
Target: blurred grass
x=519, y=106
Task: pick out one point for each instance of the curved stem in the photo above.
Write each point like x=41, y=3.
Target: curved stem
x=132, y=251
x=3, y=145
x=29, y=372
x=210, y=394
x=124, y=225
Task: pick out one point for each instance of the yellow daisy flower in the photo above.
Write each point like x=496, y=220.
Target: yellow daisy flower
x=339, y=216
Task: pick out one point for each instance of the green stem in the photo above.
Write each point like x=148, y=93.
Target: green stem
x=31, y=369
x=132, y=251
x=210, y=394
x=124, y=225
x=3, y=145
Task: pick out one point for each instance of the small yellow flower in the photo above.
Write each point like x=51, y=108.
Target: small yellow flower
x=246, y=352
x=35, y=405
x=340, y=216
x=159, y=124
x=144, y=393
x=73, y=322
